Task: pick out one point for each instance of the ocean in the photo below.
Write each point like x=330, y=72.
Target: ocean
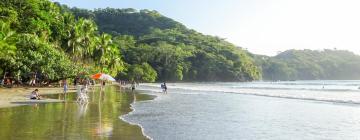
x=309, y=110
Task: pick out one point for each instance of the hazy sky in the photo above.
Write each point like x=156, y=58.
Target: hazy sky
x=261, y=26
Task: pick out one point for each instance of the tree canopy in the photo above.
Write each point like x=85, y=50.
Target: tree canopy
x=36, y=36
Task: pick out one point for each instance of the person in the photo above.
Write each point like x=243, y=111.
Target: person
x=35, y=95
x=33, y=80
x=88, y=82
x=4, y=78
x=81, y=94
x=65, y=86
x=164, y=87
x=76, y=80
x=8, y=81
x=132, y=86
x=103, y=83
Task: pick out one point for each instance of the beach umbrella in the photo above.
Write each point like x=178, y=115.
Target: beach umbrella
x=102, y=76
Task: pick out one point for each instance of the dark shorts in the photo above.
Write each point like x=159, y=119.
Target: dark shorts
x=33, y=98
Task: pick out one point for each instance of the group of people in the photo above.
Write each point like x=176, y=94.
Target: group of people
x=15, y=80
x=35, y=94
x=10, y=80
x=135, y=84
x=163, y=86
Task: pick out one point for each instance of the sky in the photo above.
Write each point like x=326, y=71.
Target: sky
x=261, y=26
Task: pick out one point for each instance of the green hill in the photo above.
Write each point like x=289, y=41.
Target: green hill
x=128, y=21
x=56, y=42
x=174, y=51
x=311, y=65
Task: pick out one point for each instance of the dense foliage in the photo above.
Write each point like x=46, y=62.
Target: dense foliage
x=173, y=51
x=127, y=21
x=56, y=42
x=36, y=37
x=310, y=65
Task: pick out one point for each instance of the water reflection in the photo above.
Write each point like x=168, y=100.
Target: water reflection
x=82, y=107
x=98, y=119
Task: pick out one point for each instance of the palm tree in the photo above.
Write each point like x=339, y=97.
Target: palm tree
x=73, y=37
x=107, y=55
x=103, y=43
x=7, y=40
x=7, y=44
x=115, y=64
x=87, y=29
x=81, y=39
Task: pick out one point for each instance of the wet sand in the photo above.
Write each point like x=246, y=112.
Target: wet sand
x=99, y=119
x=10, y=97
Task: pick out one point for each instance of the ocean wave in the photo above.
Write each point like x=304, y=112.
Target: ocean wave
x=345, y=96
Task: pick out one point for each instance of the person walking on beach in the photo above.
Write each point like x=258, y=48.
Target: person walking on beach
x=35, y=95
x=33, y=80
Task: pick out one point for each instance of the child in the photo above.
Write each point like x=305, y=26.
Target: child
x=35, y=95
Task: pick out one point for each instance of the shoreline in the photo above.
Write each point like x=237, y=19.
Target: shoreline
x=17, y=96
x=152, y=98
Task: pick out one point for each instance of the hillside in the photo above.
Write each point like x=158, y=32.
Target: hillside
x=54, y=42
x=128, y=21
x=174, y=51
x=57, y=42
x=311, y=65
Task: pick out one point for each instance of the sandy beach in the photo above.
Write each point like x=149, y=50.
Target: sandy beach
x=10, y=97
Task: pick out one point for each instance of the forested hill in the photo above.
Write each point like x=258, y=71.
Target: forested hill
x=52, y=41
x=174, y=51
x=128, y=21
x=310, y=65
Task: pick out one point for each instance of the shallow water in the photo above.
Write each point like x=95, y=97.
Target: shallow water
x=230, y=111
x=99, y=119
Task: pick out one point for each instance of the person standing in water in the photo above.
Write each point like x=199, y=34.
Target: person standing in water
x=132, y=86
x=102, y=85
x=65, y=85
x=164, y=88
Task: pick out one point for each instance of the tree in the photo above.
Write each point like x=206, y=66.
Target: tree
x=7, y=40
x=142, y=73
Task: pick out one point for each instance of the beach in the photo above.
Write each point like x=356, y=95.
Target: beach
x=10, y=97
x=98, y=119
x=222, y=110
